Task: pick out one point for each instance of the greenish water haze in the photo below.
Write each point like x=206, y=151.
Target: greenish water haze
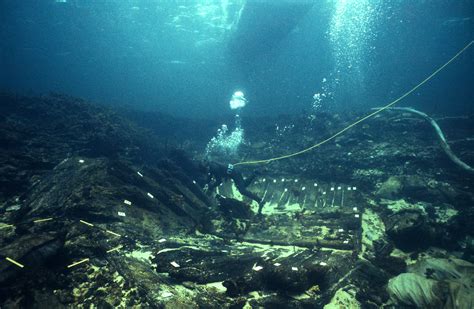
x=175, y=56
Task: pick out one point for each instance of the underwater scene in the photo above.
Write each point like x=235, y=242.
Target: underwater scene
x=237, y=154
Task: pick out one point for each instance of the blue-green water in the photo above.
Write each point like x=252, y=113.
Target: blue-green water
x=183, y=57
x=221, y=154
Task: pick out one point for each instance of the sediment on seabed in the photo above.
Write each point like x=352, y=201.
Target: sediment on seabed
x=99, y=210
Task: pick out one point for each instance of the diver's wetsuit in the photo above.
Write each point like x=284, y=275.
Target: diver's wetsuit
x=222, y=172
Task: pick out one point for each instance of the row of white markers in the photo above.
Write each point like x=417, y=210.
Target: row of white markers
x=332, y=197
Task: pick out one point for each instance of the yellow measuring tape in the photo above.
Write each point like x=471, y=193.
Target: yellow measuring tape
x=362, y=119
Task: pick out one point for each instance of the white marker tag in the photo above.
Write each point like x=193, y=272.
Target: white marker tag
x=323, y=264
x=356, y=216
x=174, y=264
x=257, y=268
x=81, y=161
x=150, y=195
x=166, y=294
x=277, y=264
x=127, y=202
x=294, y=268
x=121, y=214
x=140, y=174
x=162, y=240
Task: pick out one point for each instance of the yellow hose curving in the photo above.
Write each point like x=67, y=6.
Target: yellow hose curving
x=362, y=119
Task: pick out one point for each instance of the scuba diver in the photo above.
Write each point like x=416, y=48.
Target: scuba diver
x=218, y=172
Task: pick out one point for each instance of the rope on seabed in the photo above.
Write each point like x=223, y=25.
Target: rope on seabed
x=362, y=119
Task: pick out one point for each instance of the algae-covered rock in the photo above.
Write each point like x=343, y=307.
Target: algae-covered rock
x=441, y=268
x=104, y=190
x=410, y=289
x=409, y=230
x=460, y=296
x=435, y=283
x=344, y=298
x=390, y=188
x=402, y=204
x=373, y=229
x=234, y=208
x=445, y=213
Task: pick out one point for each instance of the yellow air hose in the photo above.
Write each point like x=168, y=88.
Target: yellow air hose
x=362, y=119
